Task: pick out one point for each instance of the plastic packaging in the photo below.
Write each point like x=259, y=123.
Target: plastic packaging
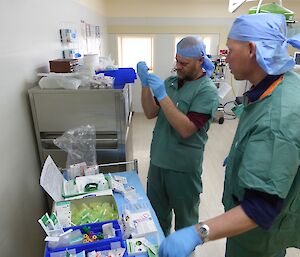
x=76, y=170
x=66, y=239
x=79, y=143
x=100, y=244
x=108, y=230
x=70, y=253
x=93, y=212
x=101, y=81
x=46, y=223
x=106, y=63
x=59, y=81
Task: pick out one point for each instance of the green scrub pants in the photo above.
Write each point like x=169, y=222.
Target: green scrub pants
x=172, y=190
x=235, y=250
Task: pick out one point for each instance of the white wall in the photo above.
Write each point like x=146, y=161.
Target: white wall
x=167, y=17
x=29, y=39
x=163, y=59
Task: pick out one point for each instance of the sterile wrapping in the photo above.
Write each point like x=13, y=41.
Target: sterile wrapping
x=79, y=143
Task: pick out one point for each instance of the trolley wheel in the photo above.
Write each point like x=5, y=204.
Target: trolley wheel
x=221, y=120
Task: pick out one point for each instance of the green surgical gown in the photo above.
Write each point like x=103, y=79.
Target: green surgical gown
x=265, y=156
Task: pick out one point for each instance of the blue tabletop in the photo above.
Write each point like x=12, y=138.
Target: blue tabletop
x=134, y=180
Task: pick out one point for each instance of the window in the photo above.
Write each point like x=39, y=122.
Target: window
x=211, y=42
x=132, y=49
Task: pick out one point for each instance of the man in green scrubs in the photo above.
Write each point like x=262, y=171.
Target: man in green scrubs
x=184, y=106
x=262, y=180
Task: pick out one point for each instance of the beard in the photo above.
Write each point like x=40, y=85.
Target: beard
x=185, y=77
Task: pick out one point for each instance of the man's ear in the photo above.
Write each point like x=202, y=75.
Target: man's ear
x=201, y=60
x=252, y=49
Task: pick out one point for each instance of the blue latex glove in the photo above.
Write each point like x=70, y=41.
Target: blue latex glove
x=180, y=243
x=142, y=71
x=157, y=86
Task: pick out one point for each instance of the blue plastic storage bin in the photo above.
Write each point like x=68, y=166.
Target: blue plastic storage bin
x=121, y=75
x=103, y=247
x=99, y=245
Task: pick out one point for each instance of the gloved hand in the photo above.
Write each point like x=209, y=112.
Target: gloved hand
x=180, y=243
x=142, y=71
x=157, y=86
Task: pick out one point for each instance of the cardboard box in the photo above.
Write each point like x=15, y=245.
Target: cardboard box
x=82, y=209
x=86, y=210
x=63, y=65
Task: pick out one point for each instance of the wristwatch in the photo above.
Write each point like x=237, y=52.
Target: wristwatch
x=203, y=231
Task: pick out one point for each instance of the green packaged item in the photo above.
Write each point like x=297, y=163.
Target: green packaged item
x=87, y=210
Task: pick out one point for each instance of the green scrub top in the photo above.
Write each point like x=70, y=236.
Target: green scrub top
x=168, y=149
x=265, y=156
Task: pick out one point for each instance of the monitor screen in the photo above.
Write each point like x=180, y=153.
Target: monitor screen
x=297, y=58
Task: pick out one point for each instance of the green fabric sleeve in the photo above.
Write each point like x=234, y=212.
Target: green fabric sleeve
x=206, y=101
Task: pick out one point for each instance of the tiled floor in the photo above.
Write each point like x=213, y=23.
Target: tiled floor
x=218, y=145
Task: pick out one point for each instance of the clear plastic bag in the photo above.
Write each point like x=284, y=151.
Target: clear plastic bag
x=79, y=143
x=59, y=81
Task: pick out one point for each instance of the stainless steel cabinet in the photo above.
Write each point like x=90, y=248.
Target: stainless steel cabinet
x=56, y=110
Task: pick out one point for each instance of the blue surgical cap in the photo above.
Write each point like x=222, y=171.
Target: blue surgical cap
x=268, y=31
x=193, y=47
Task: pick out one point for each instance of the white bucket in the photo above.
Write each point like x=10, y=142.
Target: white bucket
x=91, y=60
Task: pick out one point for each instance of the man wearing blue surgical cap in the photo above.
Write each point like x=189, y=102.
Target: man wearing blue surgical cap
x=184, y=106
x=262, y=182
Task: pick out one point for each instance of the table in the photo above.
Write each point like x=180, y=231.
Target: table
x=134, y=181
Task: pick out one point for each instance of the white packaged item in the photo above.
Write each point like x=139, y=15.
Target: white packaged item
x=101, y=81
x=108, y=230
x=115, y=252
x=126, y=224
x=120, y=179
x=46, y=223
x=143, y=223
x=135, y=246
x=63, y=211
x=55, y=221
x=117, y=186
x=150, y=246
x=83, y=182
x=67, y=238
x=69, y=252
x=76, y=170
x=131, y=195
x=69, y=53
x=59, y=81
x=92, y=170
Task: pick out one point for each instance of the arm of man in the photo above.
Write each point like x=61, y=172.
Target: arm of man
x=184, y=124
x=233, y=222
x=150, y=107
x=178, y=120
x=230, y=223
